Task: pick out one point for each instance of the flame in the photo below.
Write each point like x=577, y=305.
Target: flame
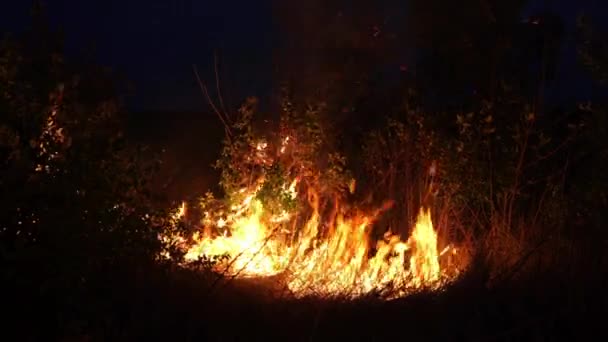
x=250, y=245
x=180, y=212
x=424, y=263
x=316, y=250
x=327, y=256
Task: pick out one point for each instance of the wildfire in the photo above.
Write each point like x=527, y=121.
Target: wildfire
x=316, y=249
x=326, y=255
x=250, y=245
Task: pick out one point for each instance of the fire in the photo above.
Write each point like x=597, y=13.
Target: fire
x=316, y=248
x=424, y=264
x=341, y=265
x=250, y=245
x=326, y=255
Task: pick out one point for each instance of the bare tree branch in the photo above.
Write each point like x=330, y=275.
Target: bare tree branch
x=217, y=86
x=213, y=106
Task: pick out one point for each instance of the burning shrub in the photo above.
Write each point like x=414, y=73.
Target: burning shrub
x=286, y=214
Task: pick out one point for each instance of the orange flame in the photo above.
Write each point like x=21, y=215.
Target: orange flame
x=331, y=257
x=316, y=253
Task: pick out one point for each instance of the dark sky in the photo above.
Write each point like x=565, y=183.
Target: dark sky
x=572, y=83
x=155, y=42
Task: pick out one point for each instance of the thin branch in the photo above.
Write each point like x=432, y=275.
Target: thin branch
x=217, y=86
x=550, y=153
x=227, y=269
x=206, y=94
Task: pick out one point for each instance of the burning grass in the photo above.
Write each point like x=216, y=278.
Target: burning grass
x=320, y=248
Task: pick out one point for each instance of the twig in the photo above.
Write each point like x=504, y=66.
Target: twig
x=518, y=174
x=549, y=154
x=229, y=266
x=217, y=86
x=206, y=94
x=522, y=261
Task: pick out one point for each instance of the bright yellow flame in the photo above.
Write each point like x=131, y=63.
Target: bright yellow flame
x=325, y=257
x=181, y=212
x=424, y=262
x=250, y=244
x=318, y=252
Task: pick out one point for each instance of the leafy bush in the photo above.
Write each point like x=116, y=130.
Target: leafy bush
x=75, y=206
x=496, y=174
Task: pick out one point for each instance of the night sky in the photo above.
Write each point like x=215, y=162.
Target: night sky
x=154, y=43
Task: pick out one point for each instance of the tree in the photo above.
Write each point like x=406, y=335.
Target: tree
x=75, y=209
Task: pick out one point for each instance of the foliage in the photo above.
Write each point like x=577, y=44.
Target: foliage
x=397, y=158
x=587, y=182
x=75, y=205
x=273, y=193
x=312, y=156
x=486, y=171
x=592, y=50
x=238, y=168
x=299, y=151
